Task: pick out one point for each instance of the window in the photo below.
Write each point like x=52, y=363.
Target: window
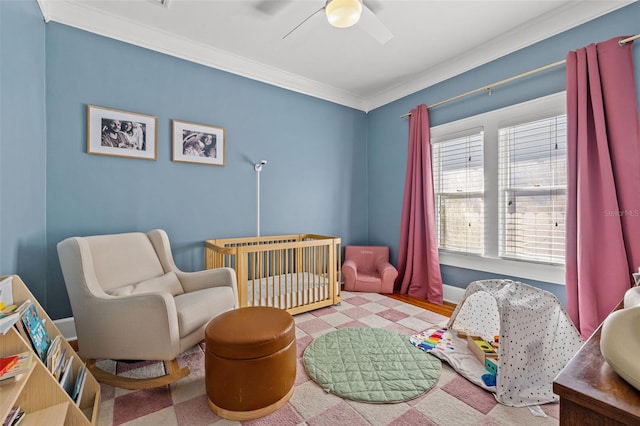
x=533, y=182
x=458, y=187
x=500, y=189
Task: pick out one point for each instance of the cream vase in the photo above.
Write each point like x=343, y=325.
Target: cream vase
x=620, y=339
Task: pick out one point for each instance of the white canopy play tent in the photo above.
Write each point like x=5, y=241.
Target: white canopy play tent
x=537, y=339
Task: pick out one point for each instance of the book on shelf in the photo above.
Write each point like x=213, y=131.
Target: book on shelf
x=17, y=418
x=21, y=366
x=7, y=362
x=12, y=316
x=5, y=310
x=11, y=417
x=7, y=322
x=6, y=292
x=57, y=370
x=35, y=331
x=76, y=395
x=66, y=380
x=53, y=354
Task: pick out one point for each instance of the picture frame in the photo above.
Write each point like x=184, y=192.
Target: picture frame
x=121, y=133
x=198, y=143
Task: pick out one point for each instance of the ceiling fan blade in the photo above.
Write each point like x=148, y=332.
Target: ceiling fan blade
x=374, y=26
x=373, y=5
x=305, y=20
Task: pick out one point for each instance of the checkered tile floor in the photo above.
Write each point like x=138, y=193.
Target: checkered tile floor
x=453, y=401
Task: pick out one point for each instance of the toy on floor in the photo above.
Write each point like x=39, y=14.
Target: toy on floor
x=481, y=348
x=462, y=333
x=490, y=379
x=491, y=365
x=433, y=339
x=496, y=343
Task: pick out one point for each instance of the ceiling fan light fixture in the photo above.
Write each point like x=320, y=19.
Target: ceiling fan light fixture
x=343, y=13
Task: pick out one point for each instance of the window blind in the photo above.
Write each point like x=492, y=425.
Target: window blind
x=532, y=186
x=459, y=190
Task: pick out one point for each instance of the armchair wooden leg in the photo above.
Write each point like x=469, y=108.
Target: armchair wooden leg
x=174, y=373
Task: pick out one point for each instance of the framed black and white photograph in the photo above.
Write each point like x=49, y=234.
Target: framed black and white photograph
x=198, y=143
x=121, y=133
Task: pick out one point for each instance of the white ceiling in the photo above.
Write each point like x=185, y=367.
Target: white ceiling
x=433, y=40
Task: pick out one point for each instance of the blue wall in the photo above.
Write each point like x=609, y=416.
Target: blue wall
x=388, y=134
x=313, y=182
x=23, y=144
x=315, y=179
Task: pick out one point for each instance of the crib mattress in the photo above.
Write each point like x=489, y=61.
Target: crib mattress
x=288, y=290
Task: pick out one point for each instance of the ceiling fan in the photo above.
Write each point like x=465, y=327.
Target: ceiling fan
x=346, y=13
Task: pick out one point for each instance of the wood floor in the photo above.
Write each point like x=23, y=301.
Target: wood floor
x=445, y=309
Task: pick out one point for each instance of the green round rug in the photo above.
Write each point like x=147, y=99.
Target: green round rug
x=370, y=365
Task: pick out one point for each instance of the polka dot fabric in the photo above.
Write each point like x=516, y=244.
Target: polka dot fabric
x=537, y=338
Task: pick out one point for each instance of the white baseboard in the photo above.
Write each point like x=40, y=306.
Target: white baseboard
x=452, y=294
x=67, y=327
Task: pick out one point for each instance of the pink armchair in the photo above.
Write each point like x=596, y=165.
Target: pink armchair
x=367, y=268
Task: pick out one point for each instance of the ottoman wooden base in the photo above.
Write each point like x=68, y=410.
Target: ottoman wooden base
x=241, y=416
x=250, y=362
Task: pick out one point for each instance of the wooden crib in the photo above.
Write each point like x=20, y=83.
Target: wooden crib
x=297, y=273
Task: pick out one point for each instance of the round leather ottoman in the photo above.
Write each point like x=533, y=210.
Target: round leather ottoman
x=250, y=362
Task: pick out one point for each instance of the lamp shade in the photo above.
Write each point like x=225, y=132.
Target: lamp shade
x=343, y=13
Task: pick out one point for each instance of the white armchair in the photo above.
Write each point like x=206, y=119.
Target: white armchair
x=131, y=302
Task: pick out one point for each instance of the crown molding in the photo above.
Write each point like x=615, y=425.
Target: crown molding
x=44, y=9
x=76, y=14
x=548, y=25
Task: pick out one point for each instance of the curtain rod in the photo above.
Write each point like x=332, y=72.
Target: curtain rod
x=489, y=87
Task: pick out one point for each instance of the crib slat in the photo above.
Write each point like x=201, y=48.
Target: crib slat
x=298, y=271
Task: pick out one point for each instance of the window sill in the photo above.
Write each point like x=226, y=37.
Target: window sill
x=533, y=271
